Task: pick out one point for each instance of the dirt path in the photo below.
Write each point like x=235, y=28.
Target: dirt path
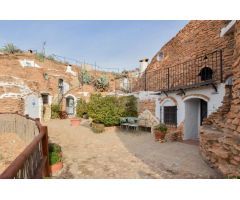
x=116, y=154
x=10, y=147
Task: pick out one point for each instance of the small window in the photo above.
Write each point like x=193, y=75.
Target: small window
x=160, y=56
x=45, y=98
x=170, y=115
x=206, y=74
x=60, y=84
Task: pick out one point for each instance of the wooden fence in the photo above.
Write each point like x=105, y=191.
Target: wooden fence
x=33, y=161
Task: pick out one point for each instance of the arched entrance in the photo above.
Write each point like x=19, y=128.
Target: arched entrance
x=196, y=109
x=70, y=105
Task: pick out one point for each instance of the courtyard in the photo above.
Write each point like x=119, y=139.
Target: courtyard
x=121, y=154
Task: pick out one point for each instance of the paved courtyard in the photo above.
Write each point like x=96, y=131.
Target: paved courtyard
x=118, y=154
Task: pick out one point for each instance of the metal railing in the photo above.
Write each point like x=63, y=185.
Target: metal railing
x=204, y=70
x=32, y=162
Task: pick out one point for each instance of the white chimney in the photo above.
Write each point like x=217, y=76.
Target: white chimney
x=143, y=65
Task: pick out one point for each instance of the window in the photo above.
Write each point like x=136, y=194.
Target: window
x=160, y=56
x=206, y=73
x=170, y=115
x=45, y=98
x=60, y=85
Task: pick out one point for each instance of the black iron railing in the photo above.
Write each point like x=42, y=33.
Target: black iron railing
x=204, y=70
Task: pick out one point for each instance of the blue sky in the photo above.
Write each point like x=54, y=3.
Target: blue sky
x=111, y=44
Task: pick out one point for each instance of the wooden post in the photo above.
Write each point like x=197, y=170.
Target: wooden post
x=45, y=151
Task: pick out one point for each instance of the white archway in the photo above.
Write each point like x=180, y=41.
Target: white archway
x=71, y=103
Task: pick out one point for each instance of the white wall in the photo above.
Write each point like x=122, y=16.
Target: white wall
x=214, y=102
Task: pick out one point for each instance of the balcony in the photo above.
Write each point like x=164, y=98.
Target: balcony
x=204, y=70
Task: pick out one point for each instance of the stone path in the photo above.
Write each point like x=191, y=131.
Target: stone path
x=116, y=154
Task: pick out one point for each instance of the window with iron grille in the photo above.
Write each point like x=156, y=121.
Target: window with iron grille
x=45, y=98
x=170, y=115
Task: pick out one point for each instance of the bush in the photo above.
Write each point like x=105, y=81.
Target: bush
x=129, y=103
x=54, y=158
x=98, y=128
x=40, y=56
x=10, y=48
x=52, y=147
x=105, y=110
x=54, y=153
x=55, y=111
x=81, y=108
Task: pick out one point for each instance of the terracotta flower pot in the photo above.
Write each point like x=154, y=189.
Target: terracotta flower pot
x=159, y=136
x=56, y=167
x=75, y=122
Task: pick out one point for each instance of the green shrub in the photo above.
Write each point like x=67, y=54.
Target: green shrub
x=102, y=83
x=10, y=48
x=105, y=110
x=129, y=103
x=54, y=158
x=52, y=147
x=98, y=128
x=81, y=108
x=40, y=56
x=84, y=77
x=55, y=111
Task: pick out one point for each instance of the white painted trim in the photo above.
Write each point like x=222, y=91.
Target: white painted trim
x=195, y=97
x=227, y=28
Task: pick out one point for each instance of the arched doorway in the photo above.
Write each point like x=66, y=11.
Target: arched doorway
x=196, y=109
x=70, y=105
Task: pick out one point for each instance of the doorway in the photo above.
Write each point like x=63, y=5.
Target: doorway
x=195, y=112
x=70, y=105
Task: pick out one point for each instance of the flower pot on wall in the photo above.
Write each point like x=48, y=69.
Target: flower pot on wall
x=75, y=122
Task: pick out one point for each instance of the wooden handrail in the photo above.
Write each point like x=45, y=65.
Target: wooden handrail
x=18, y=163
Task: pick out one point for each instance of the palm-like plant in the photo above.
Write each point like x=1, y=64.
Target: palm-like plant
x=102, y=83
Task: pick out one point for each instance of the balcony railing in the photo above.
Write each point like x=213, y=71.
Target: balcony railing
x=204, y=70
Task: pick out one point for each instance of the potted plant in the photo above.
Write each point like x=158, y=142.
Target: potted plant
x=55, y=157
x=160, y=132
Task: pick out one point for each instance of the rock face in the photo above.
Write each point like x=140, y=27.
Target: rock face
x=220, y=135
x=23, y=74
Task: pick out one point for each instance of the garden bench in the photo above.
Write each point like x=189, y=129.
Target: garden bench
x=129, y=123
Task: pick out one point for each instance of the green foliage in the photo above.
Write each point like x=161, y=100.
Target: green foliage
x=108, y=110
x=98, y=128
x=10, y=48
x=161, y=127
x=84, y=77
x=54, y=158
x=52, y=147
x=40, y=56
x=55, y=111
x=54, y=153
x=51, y=57
x=130, y=106
x=81, y=108
x=102, y=83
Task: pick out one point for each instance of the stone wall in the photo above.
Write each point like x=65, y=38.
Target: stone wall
x=148, y=104
x=12, y=105
x=220, y=135
x=197, y=38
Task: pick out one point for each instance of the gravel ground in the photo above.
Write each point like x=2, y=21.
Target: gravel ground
x=119, y=154
x=10, y=147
